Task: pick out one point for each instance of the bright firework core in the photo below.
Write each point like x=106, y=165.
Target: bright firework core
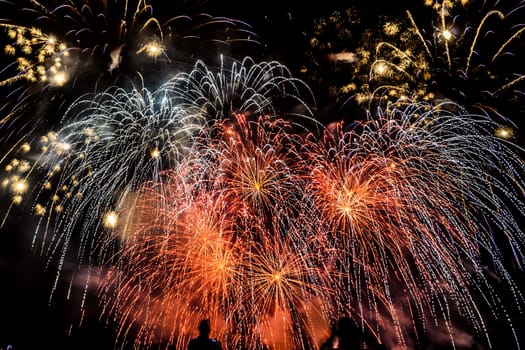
x=111, y=219
x=153, y=49
x=447, y=34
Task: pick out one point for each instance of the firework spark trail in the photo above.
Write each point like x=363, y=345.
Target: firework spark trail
x=405, y=202
x=91, y=46
x=266, y=88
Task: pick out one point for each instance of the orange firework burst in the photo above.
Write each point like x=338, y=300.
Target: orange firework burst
x=260, y=163
x=176, y=261
x=205, y=242
x=399, y=213
x=275, y=235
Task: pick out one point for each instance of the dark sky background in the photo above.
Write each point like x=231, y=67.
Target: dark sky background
x=28, y=318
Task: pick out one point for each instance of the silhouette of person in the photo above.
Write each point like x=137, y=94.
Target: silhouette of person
x=203, y=341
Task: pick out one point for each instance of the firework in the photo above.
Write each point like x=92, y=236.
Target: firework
x=411, y=201
x=467, y=53
x=107, y=146
x=219, y=229
x=274, y=236
x=220, y=195
x=63, y=50
x=245, y=87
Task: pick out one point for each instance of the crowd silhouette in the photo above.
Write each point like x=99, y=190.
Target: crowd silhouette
x=345, y=335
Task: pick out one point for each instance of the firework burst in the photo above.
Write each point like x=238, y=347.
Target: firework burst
x=62, y=50
x=224, y=235
x=401, y=212
x=415, y=200
x=107, y=146
x=468, y=53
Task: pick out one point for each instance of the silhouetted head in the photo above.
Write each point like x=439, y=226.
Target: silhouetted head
x=204, y=327
x=346, y=328
x=345, y=323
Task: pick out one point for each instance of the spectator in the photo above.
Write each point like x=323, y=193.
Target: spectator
x=203, y=341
